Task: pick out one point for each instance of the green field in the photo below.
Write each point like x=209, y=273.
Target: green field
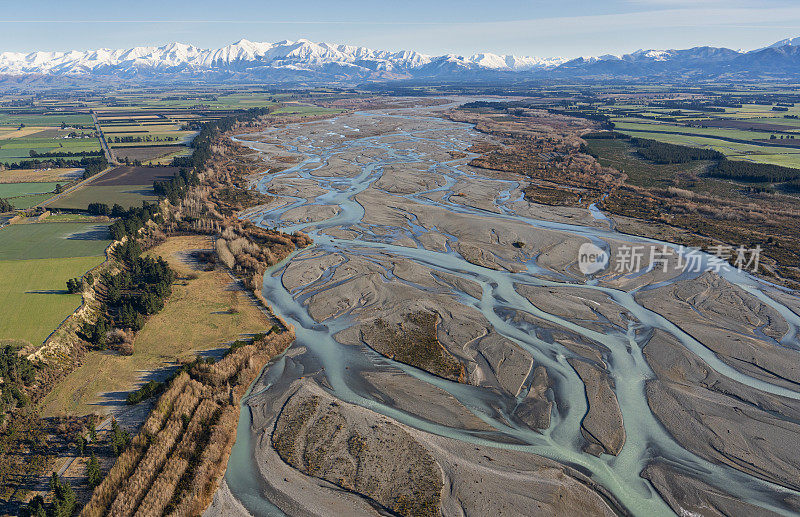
x=784, y=160
x=125, y=195
x=723, y=146
x=182, y=137
x=33, y=296
x=70, y=218
x=20, y=189
x=745, y=145
x=36, y=260
x=212, y=310
x=65, y=144
x=54, y=120
x=787, y=156
x=53, y=240
x=18, y=149
x=166, y=160
x=114, y=128
x=29, y=201
x=739, y=134
x=26, y=195
x=791, y=124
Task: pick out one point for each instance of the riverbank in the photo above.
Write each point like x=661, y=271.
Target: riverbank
x=402, y=224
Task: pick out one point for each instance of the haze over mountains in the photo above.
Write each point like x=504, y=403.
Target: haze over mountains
x=306, y=61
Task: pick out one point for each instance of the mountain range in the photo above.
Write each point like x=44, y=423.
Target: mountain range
x=307, y=61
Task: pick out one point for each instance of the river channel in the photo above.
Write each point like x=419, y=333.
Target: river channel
x=348, y=230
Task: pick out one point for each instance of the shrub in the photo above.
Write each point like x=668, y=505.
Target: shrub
x=93, y=474
x=225, y=254
x=98, y=209
x=120, y=438
x=74, y=285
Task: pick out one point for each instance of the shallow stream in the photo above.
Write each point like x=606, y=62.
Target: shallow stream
x=562, y=441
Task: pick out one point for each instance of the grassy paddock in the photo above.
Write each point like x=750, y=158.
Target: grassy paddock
x=125, y=195
x=53, y=240
x=29, y=200
x=21, y=189
x=33, y=297
x=75, y=218
x=713, y=132
x=61, y=176
x=53, y=120
x=203, y=313
x=733, y=150
x=18, y=149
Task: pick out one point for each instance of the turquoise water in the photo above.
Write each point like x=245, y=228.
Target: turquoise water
x=343, y=365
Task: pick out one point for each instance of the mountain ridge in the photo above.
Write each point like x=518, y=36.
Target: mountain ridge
x=305, y=60
x=301, y=54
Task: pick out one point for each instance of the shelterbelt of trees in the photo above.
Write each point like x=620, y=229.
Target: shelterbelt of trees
x=684, y=205
x=174, y=465
x=63, y=154
x=140, y=138
x=91, y=164
x=659, y=152
x=177, y=460
x=664, y=153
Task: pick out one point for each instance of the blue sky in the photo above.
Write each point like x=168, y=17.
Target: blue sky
x=534, y=27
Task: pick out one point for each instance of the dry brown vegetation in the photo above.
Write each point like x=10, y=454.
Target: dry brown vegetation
x=212, y=208
x=173, y=466
x=770, y=223
x=549, y=150
x=413, y=341
x=38, y=175
x=255, y=249
x=374, y=103
x=373, y=458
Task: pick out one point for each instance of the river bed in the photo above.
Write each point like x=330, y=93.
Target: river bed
x=401, y=223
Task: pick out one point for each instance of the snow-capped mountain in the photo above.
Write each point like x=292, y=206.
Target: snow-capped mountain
x=307, y=61
x=698, y=63
x=788, y=42
x=259, y=59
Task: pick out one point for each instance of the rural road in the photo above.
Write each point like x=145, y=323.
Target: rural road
x=105, y=424
x=74, y=187
x=129, y=417
x=109, y=154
